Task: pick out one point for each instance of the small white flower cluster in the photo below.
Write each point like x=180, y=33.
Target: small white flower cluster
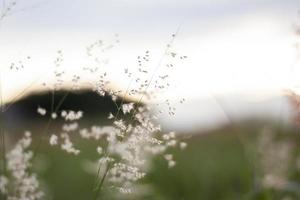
x=275, y=157
x=127, y=107
x=110, y=116
x=120, y=124
x=19, y=183
x=171, y=141
x=71, y=115
x=99, y=150
x=129, y=145
x=53, y=140
x=97, y=132
x=169, y=158
x=67, y=145
x=3, y=184
x=125, y=190
x=101, y=85
x=70, y=127
x=53, y=115
x=121, y=173
x=41, y=111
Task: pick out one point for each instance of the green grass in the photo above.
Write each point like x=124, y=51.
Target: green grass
x=217, y=166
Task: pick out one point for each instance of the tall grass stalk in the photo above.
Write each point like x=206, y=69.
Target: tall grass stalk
x=3, y=148
x=247, y=150
x=170, y=43
x=101, y=182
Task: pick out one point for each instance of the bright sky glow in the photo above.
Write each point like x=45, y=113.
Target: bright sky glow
x=232, y=46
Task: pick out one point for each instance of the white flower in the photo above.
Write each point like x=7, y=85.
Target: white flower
x=125, y=190
x=97, y=132
x=182, y=145
x=70, y=127
x=3, y=184
x=53, y=140
x=171, y=163
x=172, y=134
x=63, y=113
x=110, y=116
x=54, y=115
x=41, y=111
x=168, y=157
x=67, y=145
x=71, y=115
x=114, y=97
x=23, y=184
x=171, y=143
x=166, y=137
x=127, y=107
x=99, y=150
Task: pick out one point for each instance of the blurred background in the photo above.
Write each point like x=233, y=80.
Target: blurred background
x=232, y=79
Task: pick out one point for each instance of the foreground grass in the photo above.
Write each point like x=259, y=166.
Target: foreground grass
x=215, y=166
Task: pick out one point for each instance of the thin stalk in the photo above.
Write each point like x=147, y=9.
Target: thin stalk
x=242, y=140
x=97, y=194
x=1, y=129
x=98, y=174
x=52, y=100
x=156, y=69
x=3, y=149
x=61, y=101
x=49, y=122
x=152, y=75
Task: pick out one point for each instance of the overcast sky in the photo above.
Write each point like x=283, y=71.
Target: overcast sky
x=232, y=45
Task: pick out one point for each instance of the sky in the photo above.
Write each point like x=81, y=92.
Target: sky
x=245, y=47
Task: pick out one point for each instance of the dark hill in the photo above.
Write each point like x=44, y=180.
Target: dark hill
x=24, y=112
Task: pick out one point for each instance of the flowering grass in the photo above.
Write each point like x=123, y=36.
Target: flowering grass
x=125, y=146
x=127, y=154
x=213, y=166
